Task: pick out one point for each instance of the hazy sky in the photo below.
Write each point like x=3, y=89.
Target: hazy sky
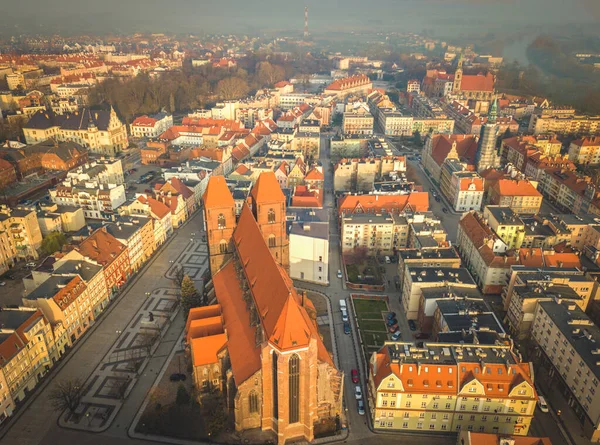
x=245, y=16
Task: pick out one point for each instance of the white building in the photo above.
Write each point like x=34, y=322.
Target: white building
x=309, y=245
x=103, y=171
x=151, y=126
x=98, y=201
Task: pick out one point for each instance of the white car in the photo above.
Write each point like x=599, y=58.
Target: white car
x=542, y=405
x=339, y=274
x=358, y=392
x=344, y=315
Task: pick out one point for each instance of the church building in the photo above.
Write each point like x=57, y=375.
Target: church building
x=267, y=356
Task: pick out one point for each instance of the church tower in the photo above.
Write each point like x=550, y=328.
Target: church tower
x=458, y=76
x=268, y=207
x=219, y=218
x=487, y=156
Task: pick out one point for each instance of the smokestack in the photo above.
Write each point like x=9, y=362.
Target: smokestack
x=306, y=22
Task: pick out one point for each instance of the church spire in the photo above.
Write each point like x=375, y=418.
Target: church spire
x=493, y=114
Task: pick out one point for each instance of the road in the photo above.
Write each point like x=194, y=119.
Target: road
x=36, y=423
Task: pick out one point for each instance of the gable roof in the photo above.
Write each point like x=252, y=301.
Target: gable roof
x=415, y=201
x=466, y=147
x=478, y=82
x=101, y=247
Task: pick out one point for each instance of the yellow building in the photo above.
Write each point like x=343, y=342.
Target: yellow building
x=450, y=387
x=24, y=230
x=26, y=341
x=507, y=225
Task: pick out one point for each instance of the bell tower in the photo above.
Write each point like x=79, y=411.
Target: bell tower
x=458, y=76
x=220, y=221
x=268, y=207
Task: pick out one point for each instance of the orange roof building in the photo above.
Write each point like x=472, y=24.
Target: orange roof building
x=454, y=386
x=270, y=329
x=415, y=202
x=471, y=438
x=520, y=195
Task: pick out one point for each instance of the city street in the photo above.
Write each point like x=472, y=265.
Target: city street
x=36, y=422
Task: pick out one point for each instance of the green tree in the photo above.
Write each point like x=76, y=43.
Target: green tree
x=189, y=295
x=53, y=242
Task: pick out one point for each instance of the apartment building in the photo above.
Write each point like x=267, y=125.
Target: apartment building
x=471, y=438
x=99, y=131
x=437, y=257
x=358, y=121
x=27, y=349
x=416, y=278
x=359, y=84
x=308, y=231
x=378, y=234
x=450, y=387
x=159, y=212
x=463, y=189
x=98, y=201
x=23, y=230
x=520, y=195
x=393, y=123
x=483, y=253
x=569, y=340
x=360, y=174
x=568, y=124
x=440, y=147
x=54, y=218
x=506, y=224
x=567, y=190
x=529, y=285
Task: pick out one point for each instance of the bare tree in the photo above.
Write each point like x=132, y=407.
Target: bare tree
x=146, y=341
x=179, y=274
x=232, y=88
x=67, y=394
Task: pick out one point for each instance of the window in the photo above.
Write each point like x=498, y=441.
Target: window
x=294, y=388
x=223, y=246
x=404, y=424
x=253, y=401
x=221, y=224
x=272, y=241
x=275, y=391
x=271, y=216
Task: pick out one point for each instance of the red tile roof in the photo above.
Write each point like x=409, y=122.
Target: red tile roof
x=267, y=189
x=466, y=147
x=515, y=187
x=217, y=193
x=415, y=201
x=101, y=247
x=478, y=82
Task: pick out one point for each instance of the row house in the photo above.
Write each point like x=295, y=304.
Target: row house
x=462, y=188
x=567, y=190
x=159, y=213
x=520, y=195
x=104, y=249
x=137, y=233
x=174, y=187
x=585, y=151
x=27, y=352
x=450, y=387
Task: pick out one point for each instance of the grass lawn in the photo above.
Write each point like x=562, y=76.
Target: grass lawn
x=369, y=306
x=372, y=325
x=352, y=272
x=369, y=316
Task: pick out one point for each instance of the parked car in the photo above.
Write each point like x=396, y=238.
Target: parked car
x=396, y=336
x=391, y=315
x=31, y=264
x=361, y=407
x=354, y=373
x=393, y=328
x=392, y=322
x=422, y=336
x=339, y=274
x=2, y=283
x=347, y=328
x=342, y=304
x=412, y=325
x=177, y=377
x=438, y=199
x=357, y=392
x=344, y=315
x=542, y=404
x=445, y=210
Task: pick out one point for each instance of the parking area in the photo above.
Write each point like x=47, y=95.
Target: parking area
x=142, y=178
x=371, y=320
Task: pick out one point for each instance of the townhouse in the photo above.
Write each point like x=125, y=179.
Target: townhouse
x=520, y=195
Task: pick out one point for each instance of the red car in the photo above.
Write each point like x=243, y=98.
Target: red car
x=354, y=376
x=393, y=328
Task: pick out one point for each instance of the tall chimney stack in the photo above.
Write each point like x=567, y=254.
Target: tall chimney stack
x=306, y=22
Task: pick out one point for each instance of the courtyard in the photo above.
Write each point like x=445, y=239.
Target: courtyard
x=370, y=320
